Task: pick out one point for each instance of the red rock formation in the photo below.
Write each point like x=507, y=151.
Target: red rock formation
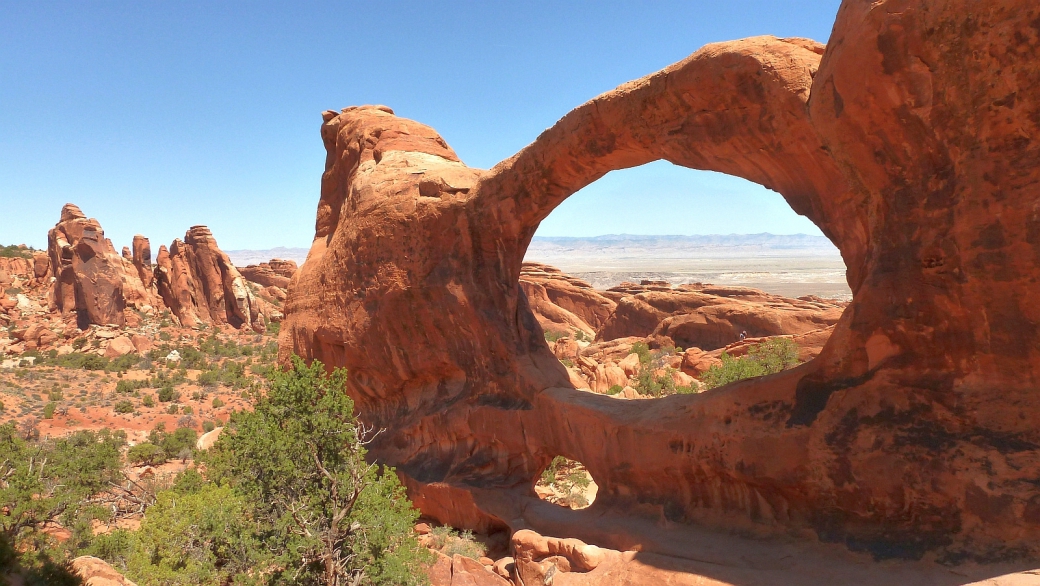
x=712, y=317
x=142, y=259
x=911, y=144
x=200, y=285
x=561, y=302
x=91, y=279
x=275, y=273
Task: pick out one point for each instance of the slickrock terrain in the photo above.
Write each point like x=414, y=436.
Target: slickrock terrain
x=275, y=273
x=704, y=316
x=564, y=304
x=909, y=140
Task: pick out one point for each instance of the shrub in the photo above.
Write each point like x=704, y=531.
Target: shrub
x=769, y=357
x=168, y=394
x=208, y=426
x=359, y=522
x=643, y=350
x=179, y=444
x=615, y=389
x=232, y=374
x=113, y=547
x=123, y=363
x=129, y=386
x=124, y=406
x=207, y=536
x=217, y=403
x=551, y=336
x=148, y=401
x=192, y=358
x=48, y=410
x=78, y=467
x=80, y=360
x=15, y=251
x=210, y=378
x=450, y=542
x=173, y=410
x=146, y=453
x=187, y=410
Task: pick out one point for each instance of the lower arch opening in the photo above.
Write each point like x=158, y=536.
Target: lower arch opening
x=566, y=483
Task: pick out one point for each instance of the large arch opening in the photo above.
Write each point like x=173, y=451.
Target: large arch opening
x=646, y=287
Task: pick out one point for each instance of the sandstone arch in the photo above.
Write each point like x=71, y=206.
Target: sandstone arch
x=913, y=429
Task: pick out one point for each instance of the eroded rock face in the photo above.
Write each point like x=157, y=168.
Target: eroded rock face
x=92, y=280
x=563, y=303
x=141, y=256
x=200, y=285
x=275, y=273
x=26, y=272
x=910, y=141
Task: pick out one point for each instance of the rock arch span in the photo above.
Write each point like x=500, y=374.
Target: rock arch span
x=909, y=141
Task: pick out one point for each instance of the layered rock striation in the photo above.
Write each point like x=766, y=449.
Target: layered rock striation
x=909, y=140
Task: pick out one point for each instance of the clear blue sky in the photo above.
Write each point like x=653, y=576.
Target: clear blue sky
x=154, y=116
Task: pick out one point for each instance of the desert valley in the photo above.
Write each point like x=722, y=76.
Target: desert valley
x=432, y=394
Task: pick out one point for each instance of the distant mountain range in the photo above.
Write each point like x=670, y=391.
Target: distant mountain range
x=618, y=247
x=622, y=246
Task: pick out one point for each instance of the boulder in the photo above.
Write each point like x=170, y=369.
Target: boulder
x=469, y=572
x=97, y=572
x=608, y=375
x=538, y=558
x=141, y=343
x=119, y=346
x=440, y=570
x=696, y=362
x=566, y=349
x=630, y=364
